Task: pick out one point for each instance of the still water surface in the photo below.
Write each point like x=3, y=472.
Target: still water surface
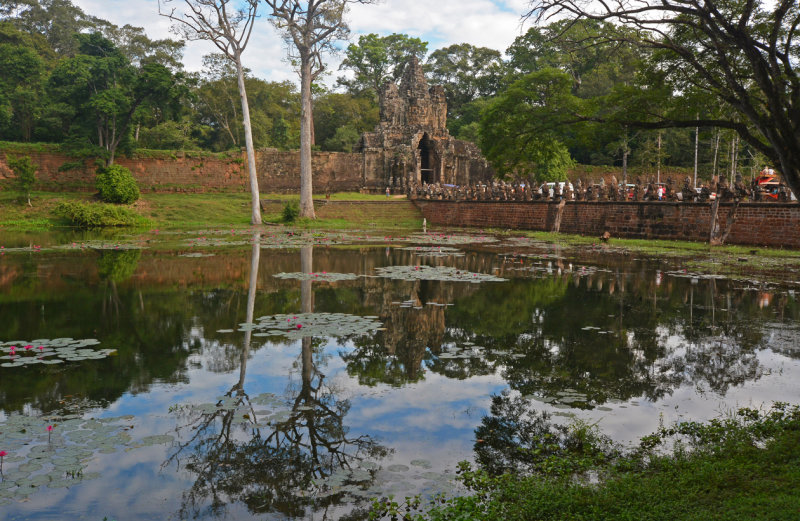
x=277, y=376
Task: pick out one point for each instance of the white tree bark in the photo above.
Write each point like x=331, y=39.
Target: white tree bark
x=306, y=122
x=255, y=199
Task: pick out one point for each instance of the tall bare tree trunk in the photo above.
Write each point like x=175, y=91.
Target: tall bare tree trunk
x=306, y=122
x=255, y=203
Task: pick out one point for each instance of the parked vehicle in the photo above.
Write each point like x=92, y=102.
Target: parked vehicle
x=770, y=187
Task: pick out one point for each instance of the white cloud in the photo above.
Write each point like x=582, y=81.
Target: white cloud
x=483, y=23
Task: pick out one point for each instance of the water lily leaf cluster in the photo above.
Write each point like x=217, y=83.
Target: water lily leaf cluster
x=20, y=353
x=443, y=273
x=435, y=251
x=312, y=324
x=54, y=451
x=322, y=276
x=450, y=240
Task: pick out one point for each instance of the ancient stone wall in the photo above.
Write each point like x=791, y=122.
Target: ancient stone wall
x=278, y=171
x=759, y=224
x=411, y=144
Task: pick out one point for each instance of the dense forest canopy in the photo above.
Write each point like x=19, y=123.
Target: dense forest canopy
x=555, y=96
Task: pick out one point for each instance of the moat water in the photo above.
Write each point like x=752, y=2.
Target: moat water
x=287, y=375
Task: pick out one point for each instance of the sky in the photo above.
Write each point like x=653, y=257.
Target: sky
x=483, y=23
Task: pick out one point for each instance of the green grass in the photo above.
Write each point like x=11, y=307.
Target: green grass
x=740, y=468
x=199, y=210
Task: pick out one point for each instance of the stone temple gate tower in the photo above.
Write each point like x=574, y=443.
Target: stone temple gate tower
x=411, y=144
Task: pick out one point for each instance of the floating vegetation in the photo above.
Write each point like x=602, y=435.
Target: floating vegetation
x=695, y=276
x=100, y=245
x=443, y=273
x=312, y=324
x=455, y=239
x=435, y=251
x=54, y=451
x=20, y=353
x=196, y=255
x=263, y=411
x=322, y=276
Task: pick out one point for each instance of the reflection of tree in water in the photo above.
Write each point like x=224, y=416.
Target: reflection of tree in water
x=648, y=338
x=396, y=354
x=515, y=437
x=270, y=468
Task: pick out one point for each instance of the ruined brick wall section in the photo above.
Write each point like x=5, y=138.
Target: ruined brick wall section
x=773, y=225
x=278, y=171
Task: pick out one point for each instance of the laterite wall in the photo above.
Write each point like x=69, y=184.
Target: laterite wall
x=278, y=171
x=758, y=224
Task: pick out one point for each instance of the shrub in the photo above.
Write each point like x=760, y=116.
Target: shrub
x=116, y=185
x=290, y=211
x=25, y=171
x=94, y=215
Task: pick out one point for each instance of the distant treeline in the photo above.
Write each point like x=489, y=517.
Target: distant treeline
x=99, y=90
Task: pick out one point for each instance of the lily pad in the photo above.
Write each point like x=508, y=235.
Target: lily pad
x=443, y=273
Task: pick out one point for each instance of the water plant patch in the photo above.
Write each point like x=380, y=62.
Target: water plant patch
x=20, y=353
x=322, y=276
x=312, y=324
x=443, y=273
x=54, y=451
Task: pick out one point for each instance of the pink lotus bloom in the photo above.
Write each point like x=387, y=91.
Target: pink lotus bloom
x=28, y=347
x=3, y=453
x=299, y=326
x=49, y=428
x=41, y=348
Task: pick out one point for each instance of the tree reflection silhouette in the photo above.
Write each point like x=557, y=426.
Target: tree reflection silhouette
x=273, y=468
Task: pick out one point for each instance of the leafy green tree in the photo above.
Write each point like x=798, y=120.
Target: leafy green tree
x=595, y=67
x=375, y=59
x=139, y=49
x=116, y=185
x=57, y=20
x=519, y=132
x=21, y=83
x=25, y=172
x=340, y=119
x=98, y=93
x=466, y=72
x=740, y=54
x=274, y=117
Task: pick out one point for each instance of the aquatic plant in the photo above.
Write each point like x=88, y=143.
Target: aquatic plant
x=51, y=352
x=443, y=273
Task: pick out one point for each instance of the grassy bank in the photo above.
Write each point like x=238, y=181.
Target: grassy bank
x=187, y=211
x=728, y=260
x=745, y=467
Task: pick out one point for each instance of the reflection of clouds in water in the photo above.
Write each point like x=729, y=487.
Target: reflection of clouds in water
x=781, y=382
x=435, y=405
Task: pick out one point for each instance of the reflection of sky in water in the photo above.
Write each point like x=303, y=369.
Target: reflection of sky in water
x=431, y=418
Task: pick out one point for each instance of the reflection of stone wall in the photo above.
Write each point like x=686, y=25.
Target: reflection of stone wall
x=776, y=225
